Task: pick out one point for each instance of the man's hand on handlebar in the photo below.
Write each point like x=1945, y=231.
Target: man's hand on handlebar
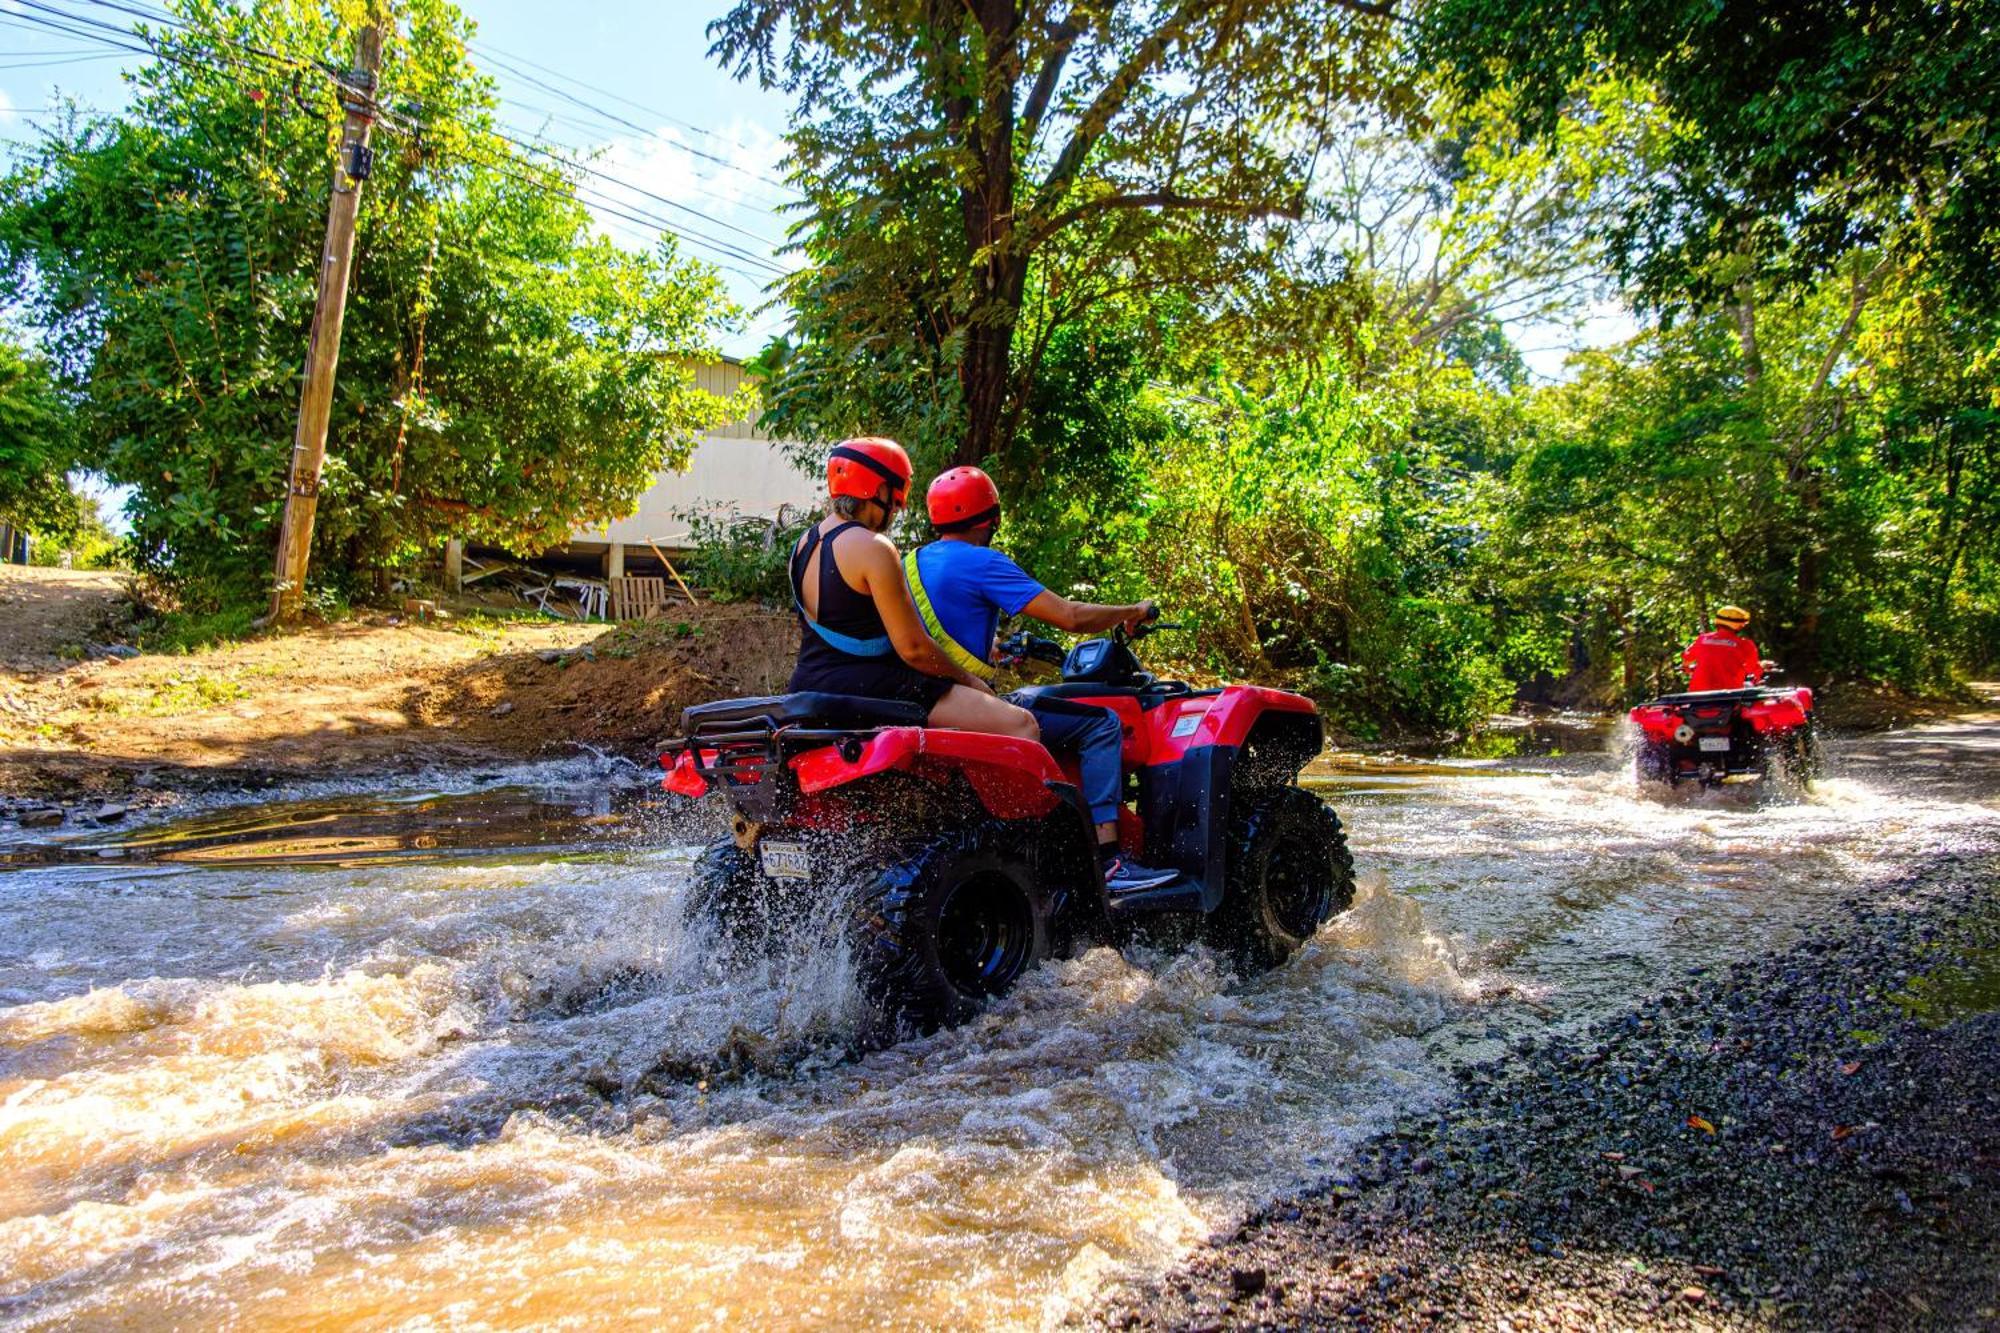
x=1143, y=614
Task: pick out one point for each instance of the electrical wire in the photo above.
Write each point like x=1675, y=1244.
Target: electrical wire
x=623, y=209
x=509, y=63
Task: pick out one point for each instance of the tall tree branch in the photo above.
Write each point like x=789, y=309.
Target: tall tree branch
x=1163, y=199
x=1111, y=98
x=1048, y=76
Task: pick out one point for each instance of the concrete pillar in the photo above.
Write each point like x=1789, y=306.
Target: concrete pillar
x=454, y=565
x=614, y=560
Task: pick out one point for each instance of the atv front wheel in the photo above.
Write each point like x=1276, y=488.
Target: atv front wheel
x=954, y=922
x=1289, y=872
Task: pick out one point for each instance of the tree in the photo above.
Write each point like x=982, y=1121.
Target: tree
x=37, y=447
x=504, y=377
x=1804, y=131
x=978, y=174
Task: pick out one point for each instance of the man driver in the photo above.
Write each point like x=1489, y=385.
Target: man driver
x=963, y=587
x=1724, y=658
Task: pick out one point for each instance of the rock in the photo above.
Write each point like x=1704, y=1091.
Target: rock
x=1248, y=1282
x=108, y=812
x=501, y=710
x=1694, y=1295
x=40, y=816
x=550, y=656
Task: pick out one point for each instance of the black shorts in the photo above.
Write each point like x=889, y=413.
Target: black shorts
x=871, y=678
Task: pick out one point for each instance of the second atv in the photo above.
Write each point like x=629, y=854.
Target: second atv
x=959, y=860
x=1715, y=736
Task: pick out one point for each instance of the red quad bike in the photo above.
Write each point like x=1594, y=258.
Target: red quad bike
x=1713, y=736
x=962, y=859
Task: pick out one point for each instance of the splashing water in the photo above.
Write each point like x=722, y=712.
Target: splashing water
x=510, y=1080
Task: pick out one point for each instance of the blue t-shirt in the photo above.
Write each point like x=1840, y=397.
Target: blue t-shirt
x=970, y=588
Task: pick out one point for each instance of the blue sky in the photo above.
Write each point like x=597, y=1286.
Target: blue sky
x=702, y=140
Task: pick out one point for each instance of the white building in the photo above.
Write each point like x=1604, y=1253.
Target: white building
x=734, y=466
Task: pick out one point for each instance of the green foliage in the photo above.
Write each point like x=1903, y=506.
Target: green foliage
x=179, y=631
x=737, y=559
x=1804, y=132
x=1827, y=459
x=504, y=377
x=980, y=177
x=37, y=448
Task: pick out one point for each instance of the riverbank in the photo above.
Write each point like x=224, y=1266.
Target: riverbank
x=90, y=726
x=1809, y=1139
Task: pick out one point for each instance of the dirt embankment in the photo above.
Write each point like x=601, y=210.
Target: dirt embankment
x=374, y=694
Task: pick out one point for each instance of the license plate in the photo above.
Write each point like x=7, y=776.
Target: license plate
x=786, y=860
x=1715, y=743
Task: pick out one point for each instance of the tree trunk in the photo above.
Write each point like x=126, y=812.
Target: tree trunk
x=986, y=372
x=986, y=207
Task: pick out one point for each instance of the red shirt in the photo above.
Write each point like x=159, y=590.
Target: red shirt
x=1720, y=660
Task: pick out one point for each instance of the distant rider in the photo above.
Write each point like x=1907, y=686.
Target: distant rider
x=963, y=587
x=859, y=630
x=1724, y=658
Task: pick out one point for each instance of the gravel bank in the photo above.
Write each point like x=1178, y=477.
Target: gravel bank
x=1810, y=1139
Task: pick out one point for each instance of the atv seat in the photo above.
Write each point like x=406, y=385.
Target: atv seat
x=1748, y=695
x=1150, y=696
x=808, y=709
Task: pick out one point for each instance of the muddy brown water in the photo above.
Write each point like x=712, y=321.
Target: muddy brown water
x=411, y=1058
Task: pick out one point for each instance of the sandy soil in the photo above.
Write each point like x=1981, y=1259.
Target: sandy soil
x=44, y=611
x=371, y=694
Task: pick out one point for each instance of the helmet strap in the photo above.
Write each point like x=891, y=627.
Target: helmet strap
x=990, y=514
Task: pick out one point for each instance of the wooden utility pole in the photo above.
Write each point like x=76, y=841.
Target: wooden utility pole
x=323, y=348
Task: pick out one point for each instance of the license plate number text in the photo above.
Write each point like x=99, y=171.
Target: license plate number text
x=786, y=860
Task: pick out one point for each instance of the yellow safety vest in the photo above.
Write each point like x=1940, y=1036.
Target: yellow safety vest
x=952, y=648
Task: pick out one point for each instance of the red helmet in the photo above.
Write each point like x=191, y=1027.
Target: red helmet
x=860, y=466
x=962, y=498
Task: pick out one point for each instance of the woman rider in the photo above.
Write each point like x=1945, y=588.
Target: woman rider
x=860, y=632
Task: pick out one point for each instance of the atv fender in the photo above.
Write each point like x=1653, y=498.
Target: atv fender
x=1010, y=776
x=1192, y=798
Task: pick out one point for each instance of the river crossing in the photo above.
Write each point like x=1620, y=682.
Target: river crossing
x=457, y=1057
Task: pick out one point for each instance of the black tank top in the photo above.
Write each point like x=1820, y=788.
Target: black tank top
x=848, y=623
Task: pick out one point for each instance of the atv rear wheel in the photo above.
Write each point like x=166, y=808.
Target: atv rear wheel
x=1289, y=872
x=731, y=889
x=956, y=921
x=1654, y=762
x=1804, y=762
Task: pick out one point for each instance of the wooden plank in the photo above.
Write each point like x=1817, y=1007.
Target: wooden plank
x=679, y=582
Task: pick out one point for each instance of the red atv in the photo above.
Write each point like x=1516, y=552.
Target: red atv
x=962, y=859
x=1712, y=736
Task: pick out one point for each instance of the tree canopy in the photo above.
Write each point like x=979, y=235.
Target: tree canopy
x=37, y=446
x=1804, y=131
x=980, y=176
x=505, y=375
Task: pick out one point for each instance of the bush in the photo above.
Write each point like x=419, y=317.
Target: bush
x=739, y=559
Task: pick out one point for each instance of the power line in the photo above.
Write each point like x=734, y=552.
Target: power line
x=107, y=34
x=505, y=62
x=636, y=189
x=71, y=60
x=600, y=129
x=618, y=209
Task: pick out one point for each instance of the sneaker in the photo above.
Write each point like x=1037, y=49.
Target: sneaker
x=1125, y=876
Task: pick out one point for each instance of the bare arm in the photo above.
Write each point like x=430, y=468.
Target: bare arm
x=881, y=572
x=1083, y=617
